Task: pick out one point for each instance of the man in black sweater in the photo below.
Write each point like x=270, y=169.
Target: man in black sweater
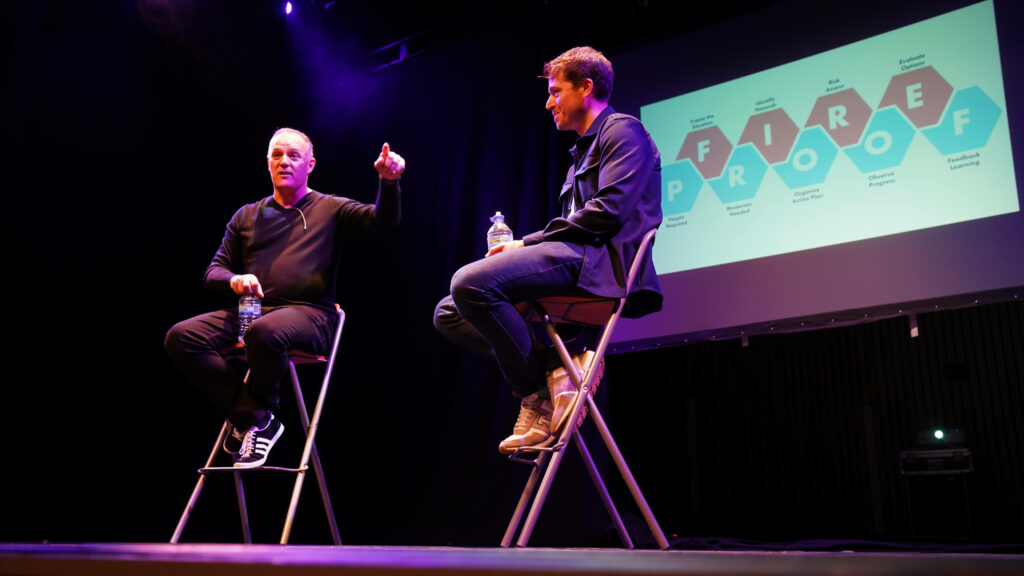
x=285, y=249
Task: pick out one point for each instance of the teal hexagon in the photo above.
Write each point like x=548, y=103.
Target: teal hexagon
x=680, y=183
x=810, y=161
x=967, y=124
x=742, y=176
x=885, y=141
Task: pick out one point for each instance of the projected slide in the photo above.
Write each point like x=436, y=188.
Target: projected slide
x=899, y=132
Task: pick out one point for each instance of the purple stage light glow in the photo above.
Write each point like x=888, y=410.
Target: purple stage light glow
x=287, y=7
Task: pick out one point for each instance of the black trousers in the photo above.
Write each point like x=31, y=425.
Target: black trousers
x=194, y=347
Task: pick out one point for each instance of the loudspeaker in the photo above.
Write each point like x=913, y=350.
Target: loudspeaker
x=937, y=492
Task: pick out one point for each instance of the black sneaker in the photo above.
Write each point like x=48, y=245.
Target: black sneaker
x=233, y=443
x=257, y=444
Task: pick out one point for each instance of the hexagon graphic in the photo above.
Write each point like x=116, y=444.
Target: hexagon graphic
x=708, y=149
x=843, y=115
x=885, y=143
x=810, y=161
x=968, y=122
x=773, y=133
x=921, y=94
x=680, y=184
x=743, y=175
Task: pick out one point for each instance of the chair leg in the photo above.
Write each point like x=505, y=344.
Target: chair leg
x=538, y=501
x=627, y=476
x=548, y=480
x=190, y=506
x=524, y=499
x=556, y=459
x=243, y=510
x=602, y=490
x=584, y=384
x=328, y=508
x=309, y=452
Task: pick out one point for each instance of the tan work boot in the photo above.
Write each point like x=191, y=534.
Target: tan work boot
x=533, y=427
x=564, y=393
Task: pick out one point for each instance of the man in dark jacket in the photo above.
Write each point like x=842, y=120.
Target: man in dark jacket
x=610, y=199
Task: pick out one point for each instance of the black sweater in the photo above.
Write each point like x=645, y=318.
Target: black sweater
x=295, y=252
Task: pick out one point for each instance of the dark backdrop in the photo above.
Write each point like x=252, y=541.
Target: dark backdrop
x=135, y=129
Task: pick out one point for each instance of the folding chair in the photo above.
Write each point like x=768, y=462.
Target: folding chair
x=309, y=452
x=594, y=312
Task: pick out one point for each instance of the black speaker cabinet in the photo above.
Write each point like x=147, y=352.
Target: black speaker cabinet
x=937, y=492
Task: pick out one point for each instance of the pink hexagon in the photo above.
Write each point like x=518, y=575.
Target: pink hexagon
x=708, y=149
x=921, y=94
x=772, y=133
x=843, y=115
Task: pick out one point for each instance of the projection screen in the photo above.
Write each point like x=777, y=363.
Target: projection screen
x=808, y=184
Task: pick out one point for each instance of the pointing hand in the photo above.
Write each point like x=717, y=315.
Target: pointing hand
x=389, y=164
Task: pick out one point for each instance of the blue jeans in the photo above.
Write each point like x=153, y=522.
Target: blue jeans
x=480, y=314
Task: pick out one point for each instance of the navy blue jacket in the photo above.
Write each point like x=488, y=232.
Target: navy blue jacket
x=615, y=181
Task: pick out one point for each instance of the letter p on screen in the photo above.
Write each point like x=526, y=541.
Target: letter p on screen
x=674, y=187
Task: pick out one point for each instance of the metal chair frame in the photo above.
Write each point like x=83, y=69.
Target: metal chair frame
x=309, y=452
x=593, y=312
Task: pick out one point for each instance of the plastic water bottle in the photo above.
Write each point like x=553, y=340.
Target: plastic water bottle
x=498, y=232
x=249, y=309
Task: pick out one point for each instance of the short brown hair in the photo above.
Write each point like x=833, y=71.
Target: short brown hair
x=578, y=64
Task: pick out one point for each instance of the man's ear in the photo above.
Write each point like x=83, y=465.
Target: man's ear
x=588, y=87
x=312, y=163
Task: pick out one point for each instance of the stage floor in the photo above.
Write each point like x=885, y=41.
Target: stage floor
x=298, y=560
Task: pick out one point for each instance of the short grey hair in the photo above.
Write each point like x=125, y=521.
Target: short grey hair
x=298, y=133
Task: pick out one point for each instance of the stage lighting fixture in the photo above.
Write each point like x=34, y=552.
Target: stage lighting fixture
x=287, y=7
